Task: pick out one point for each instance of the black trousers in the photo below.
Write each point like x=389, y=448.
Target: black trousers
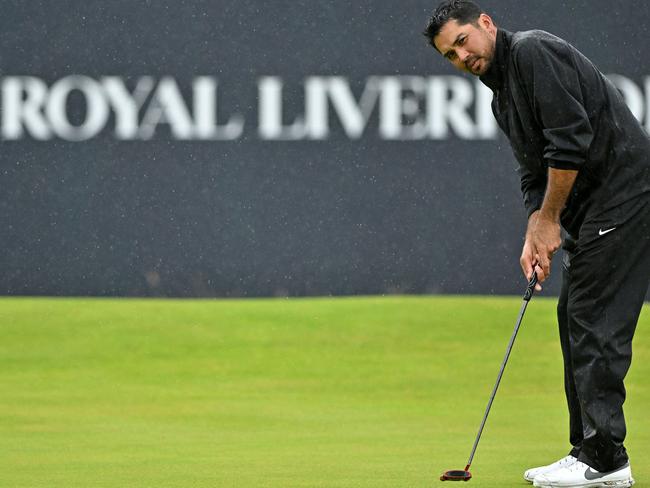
x=606, y=274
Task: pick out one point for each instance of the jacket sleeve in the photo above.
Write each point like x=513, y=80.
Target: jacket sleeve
x=553, y=86
x=533, y=188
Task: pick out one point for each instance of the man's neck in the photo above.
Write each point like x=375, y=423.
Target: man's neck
x=495, y=76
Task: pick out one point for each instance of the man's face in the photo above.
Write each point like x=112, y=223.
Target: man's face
x=469, y=47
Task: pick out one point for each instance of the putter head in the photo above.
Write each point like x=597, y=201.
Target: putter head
x=456, y=475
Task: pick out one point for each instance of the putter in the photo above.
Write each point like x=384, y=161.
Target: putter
x=464, y=474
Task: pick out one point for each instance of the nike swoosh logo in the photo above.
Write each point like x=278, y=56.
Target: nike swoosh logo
x=591, y=475
x=602, y=232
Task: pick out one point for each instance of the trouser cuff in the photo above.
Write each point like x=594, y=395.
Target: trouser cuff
x=601, y=467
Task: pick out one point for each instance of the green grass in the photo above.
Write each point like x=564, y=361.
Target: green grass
x=352, y=392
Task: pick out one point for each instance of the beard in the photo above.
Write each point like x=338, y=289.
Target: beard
x=478, y=65
x=483, y=60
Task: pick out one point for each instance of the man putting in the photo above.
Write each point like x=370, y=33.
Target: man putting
x=584, y=162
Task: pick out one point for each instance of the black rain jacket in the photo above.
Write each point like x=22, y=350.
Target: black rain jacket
x=558, y=110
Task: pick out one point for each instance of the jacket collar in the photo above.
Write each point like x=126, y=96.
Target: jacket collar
x=495, y=76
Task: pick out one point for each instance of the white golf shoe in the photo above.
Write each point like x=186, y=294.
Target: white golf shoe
x=562, y=463
x=580, y=475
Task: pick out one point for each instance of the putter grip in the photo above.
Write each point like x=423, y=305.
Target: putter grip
x=531, y=287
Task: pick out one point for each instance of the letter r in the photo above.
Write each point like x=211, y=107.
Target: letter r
x=23, y=98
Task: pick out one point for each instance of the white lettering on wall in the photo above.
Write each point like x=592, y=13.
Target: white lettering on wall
x=321, y=91
x=97, y=110
x=23, y=98
x=387, y=107
x=632, y=94
x=647, y=104
x=486, y=126
x=167, y=106
x=401, y=98
x=271, y=113
x=126, y=106
x=205, y=113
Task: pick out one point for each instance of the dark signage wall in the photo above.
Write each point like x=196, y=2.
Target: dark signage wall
x=238, y=148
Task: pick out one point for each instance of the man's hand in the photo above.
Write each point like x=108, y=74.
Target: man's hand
x=528, y=260
x=542, y=241
x=543, y=237
x=546, y=240
x=529, y=263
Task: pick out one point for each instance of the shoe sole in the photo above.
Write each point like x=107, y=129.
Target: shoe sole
x=597, y=484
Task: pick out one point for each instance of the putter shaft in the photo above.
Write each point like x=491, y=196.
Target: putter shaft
x=527, y=296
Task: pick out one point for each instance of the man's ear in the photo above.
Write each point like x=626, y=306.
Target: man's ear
x=487, y=23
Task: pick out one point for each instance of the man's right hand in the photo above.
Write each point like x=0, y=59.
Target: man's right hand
x=529, y=259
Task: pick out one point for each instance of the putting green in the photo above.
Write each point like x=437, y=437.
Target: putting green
x=348, y=392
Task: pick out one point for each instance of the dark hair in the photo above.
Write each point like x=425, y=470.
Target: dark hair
x=462, y=11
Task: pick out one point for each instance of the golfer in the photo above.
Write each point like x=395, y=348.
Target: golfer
x=584, y=163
